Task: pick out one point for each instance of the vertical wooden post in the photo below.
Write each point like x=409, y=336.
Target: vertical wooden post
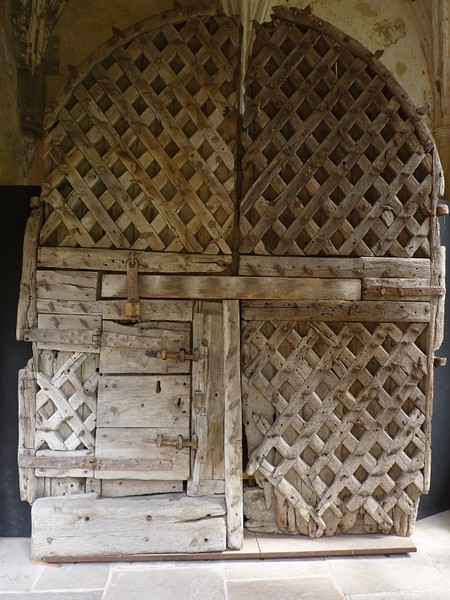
x=233, y=424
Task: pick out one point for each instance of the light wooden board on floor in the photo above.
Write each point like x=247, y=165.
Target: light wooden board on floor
x=265, y=546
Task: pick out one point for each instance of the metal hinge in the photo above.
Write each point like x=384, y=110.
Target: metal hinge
x=179, y=356
x=179, y=443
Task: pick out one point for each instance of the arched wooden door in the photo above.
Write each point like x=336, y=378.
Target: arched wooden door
x=176, y=248
x=340, y=181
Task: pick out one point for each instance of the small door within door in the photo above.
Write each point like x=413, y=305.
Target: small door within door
x=144, y=402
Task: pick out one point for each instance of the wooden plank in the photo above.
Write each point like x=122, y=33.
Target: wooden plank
x=69, y=307
x=411, y=289
x=29, y=486
x=439, y=280
x=83, y=525
x=233, y=424
x=66, y=285
x=376, y=311
x=229, y=288
x=144, y=401
x=26, y=308
x=260, y=546
x=61, y=322
x=116, y=260
x=294, y=266
x=58, y=459
x=67, y=341
x=208, y=409
x=118, y=488
x=131, y=349
x=151, y=310
x=140, y=444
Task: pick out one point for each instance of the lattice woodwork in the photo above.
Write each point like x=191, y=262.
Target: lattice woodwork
x=142, y=155
x=340, y=418
x=66, y=403
x=333, y=162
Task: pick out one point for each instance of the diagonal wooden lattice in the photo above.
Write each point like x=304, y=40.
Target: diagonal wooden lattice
x=142, y=154
x=333, y=163
x=66, y=405
x=347, y=431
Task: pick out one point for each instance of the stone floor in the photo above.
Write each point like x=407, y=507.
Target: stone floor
x=423, y=575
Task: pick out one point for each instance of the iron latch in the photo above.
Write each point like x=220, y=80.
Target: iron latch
x=133, y=304
x=179, y=443
x=179, y=356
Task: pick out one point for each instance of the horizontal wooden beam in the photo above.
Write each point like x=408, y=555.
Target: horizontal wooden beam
x=116, y=260
x=302, y=266
x=234, y=288
x=126, y=526
x=376, y=311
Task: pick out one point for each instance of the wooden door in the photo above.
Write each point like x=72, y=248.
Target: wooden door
x=162, y=210
x=338, y=182
x=143, y=405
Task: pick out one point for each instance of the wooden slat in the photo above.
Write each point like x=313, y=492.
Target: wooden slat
x=98, y=259
x=208, y=403
x=118, y=526
x=79, y=340
x=26, y=307
x=127, y=349
x=218, y=288
x=295, y=266
x=118, y=488
x=233, y=424
x=68, y=307
x=66, y=285
x=65, y=322
x=151, y=310
x=138, y=401
x=29, y=486
x=139, y=445
x=399, y=288
x=376, y=311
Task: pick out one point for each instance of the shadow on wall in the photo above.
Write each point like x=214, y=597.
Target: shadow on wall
x=14, y=514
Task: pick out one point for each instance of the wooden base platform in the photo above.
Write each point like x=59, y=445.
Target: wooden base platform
x=260, y=546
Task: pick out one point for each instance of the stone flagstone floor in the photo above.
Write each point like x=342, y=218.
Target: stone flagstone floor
x=424, y=575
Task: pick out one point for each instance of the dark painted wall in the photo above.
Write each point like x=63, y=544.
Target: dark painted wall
x=14, y=202
x=14, y=514
x=439, y=497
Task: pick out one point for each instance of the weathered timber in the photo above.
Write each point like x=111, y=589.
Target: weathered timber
x=296, y=266
x=118, y=488
x=218, y=288
x=439, y=281
x=99, y=259
x=76, y=341
x=140, y=446
x=410, y=289
x=208, y=403
x=132, y=349
x=30, y=487
x=133, y=526
x=232, y=424
x=26, y=307
x=68, y=307
x=139, y=401
x=376, y=310
x=151, y=310
x=66, y=285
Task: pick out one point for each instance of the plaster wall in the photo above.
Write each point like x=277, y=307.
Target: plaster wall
x=377, y=24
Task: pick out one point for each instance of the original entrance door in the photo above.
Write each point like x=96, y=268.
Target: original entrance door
x=178, y=247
